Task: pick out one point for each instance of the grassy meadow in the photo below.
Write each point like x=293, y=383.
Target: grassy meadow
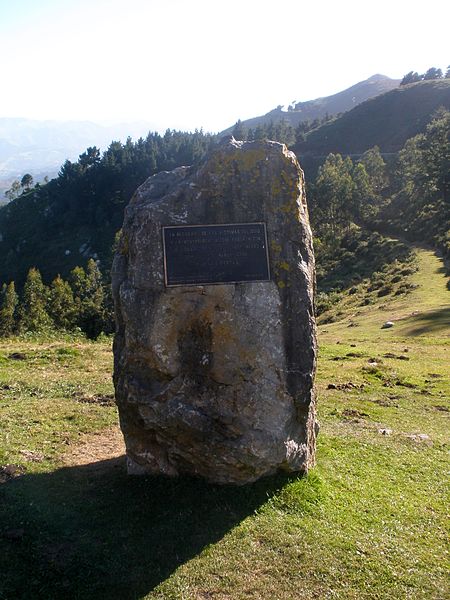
x=370, y=521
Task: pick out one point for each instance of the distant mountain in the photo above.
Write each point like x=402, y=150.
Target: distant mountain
x=386, y=121
x=41, y=147
x=343, y=101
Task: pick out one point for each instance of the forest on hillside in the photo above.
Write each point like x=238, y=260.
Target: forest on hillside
x=65, y=229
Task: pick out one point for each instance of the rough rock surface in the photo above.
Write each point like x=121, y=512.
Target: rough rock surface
x=218, y=380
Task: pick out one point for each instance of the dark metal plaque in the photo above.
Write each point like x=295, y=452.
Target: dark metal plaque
x=208, y=254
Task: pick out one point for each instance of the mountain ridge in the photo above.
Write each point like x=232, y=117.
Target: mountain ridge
x=319, y=108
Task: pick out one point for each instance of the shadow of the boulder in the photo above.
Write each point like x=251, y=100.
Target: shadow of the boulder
x=93, y=532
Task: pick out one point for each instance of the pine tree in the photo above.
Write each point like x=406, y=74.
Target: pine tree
x=89, y=297
x=61, y=304
x=238, y=131
x=94, y=282
x=433, y=73
x=411, y=77
x=93, y=308
x=8, y=305
x=260, y=133
x=33, y=308
x=27, y=181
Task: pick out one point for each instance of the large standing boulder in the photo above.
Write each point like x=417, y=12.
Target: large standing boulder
x=218, y=380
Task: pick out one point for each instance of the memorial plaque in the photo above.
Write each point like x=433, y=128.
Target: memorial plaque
x=209, y=254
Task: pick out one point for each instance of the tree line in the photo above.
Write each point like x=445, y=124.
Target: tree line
x=431, y=73
x=279, y=131
x=82, y=303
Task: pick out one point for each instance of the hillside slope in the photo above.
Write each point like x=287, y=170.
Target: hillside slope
x=327, y=105
x=386, y=121
x=424, y=311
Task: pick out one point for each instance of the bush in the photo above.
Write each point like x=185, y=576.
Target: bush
x=325, y=301
x=384, y=291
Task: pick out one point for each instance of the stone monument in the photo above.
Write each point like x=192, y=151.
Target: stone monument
x=215, y=350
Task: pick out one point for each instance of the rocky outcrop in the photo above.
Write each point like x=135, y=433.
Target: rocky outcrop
x=217, y=380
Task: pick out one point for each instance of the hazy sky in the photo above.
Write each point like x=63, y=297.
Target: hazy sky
x=204, y=63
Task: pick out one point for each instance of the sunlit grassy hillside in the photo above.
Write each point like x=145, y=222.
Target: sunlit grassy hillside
x=369, y=522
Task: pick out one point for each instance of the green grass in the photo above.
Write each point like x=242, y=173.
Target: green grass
x=41, y=384
x=369, y=521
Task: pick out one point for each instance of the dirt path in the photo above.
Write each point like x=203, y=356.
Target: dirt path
x=96, y=447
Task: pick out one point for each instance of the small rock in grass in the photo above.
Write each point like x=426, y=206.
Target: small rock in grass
x=373, y=362
x=419, y=437
x=387, y=325
x=385, y=431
